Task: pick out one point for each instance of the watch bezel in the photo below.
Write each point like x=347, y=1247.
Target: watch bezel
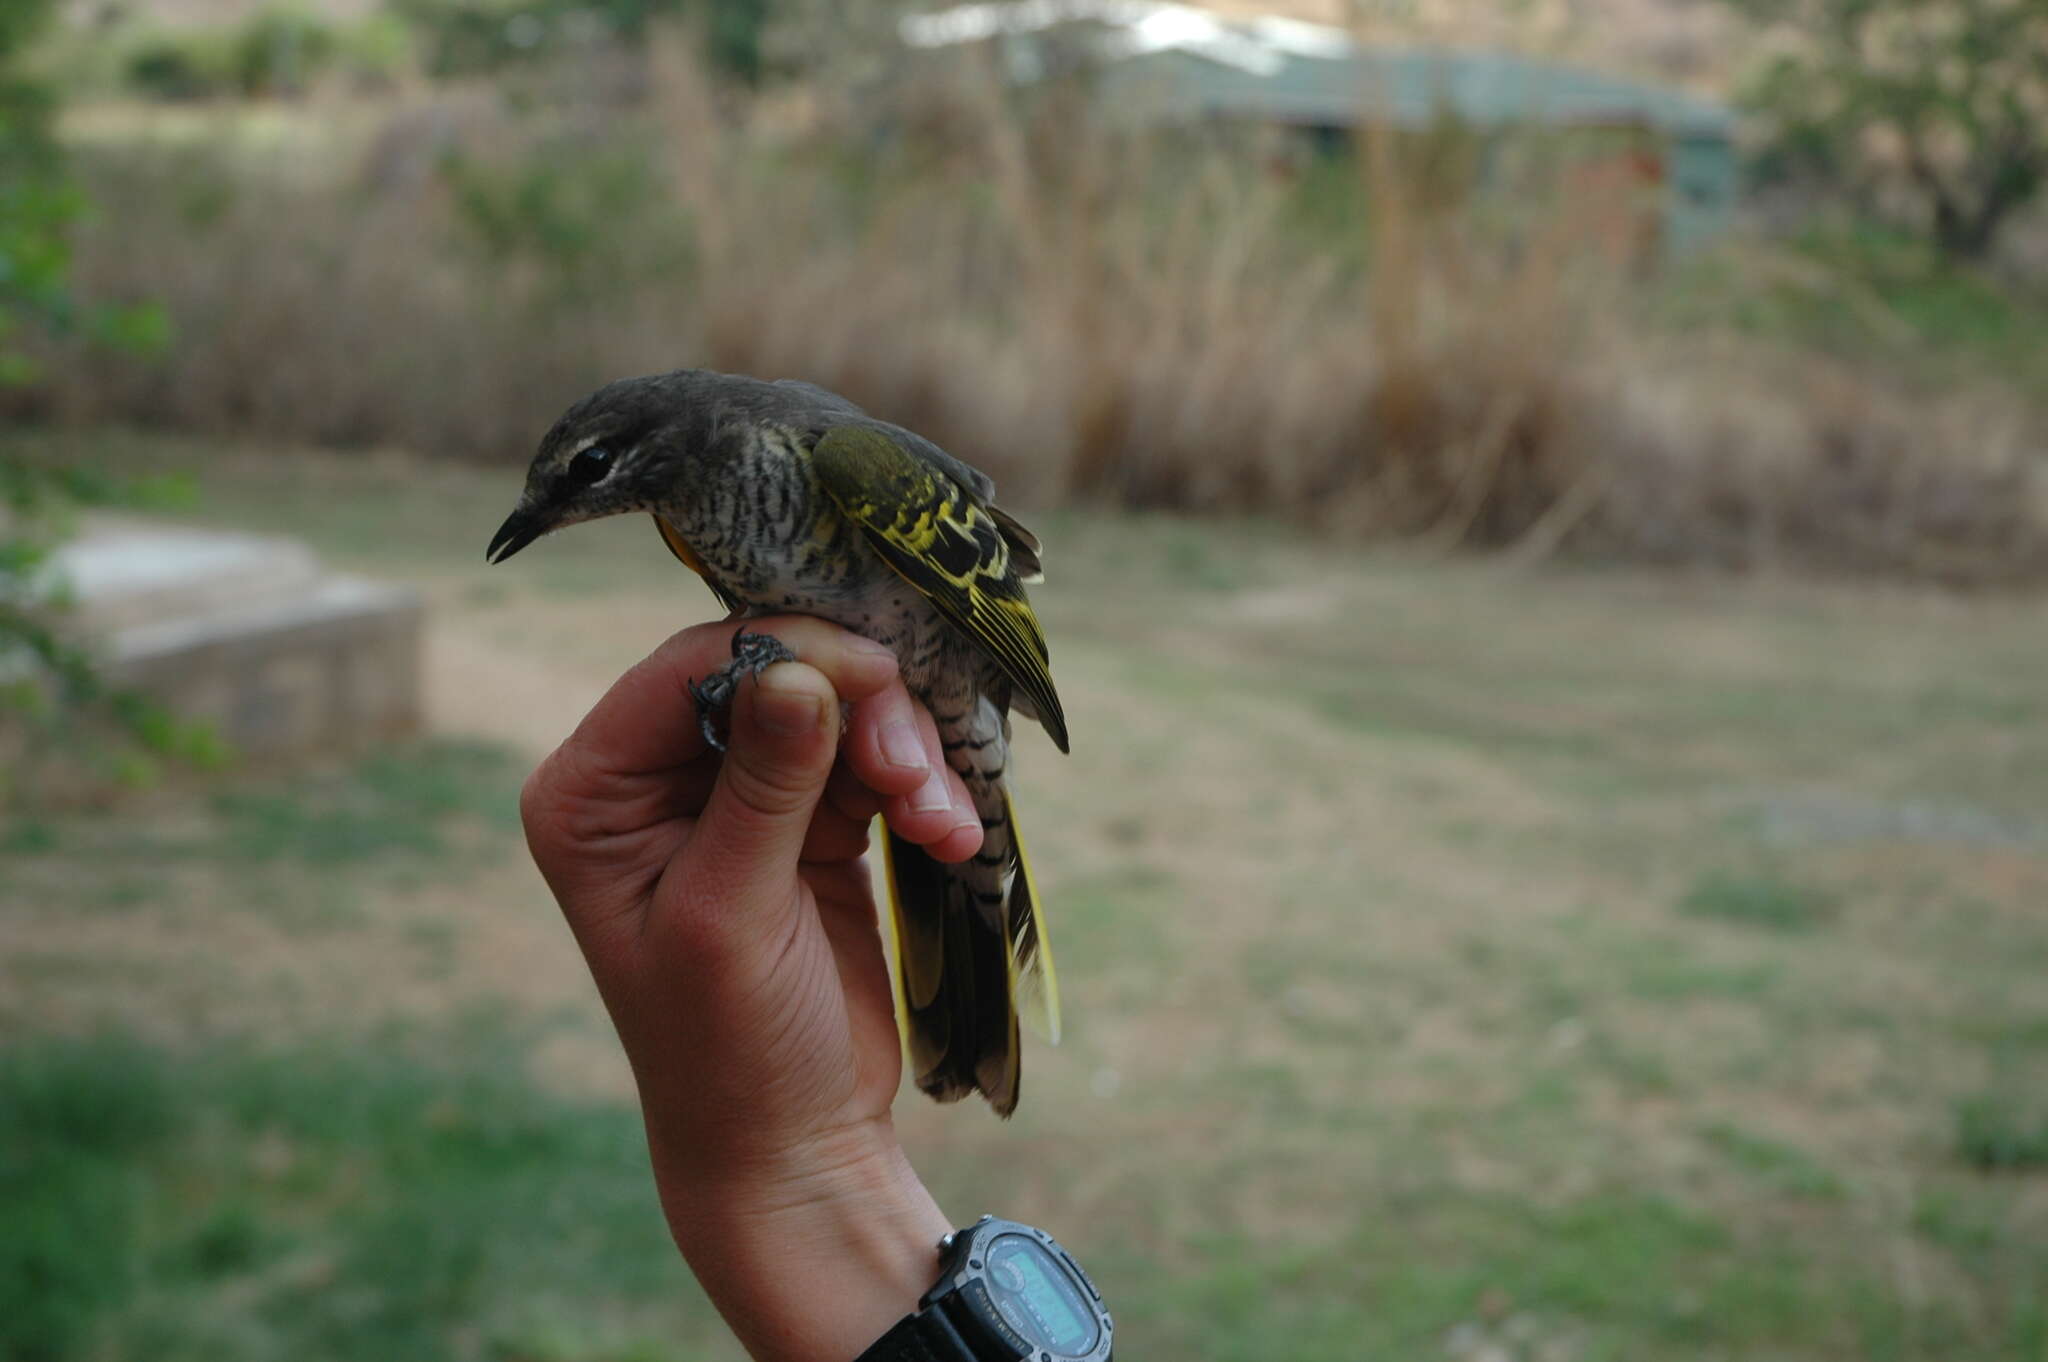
x=962, y=1292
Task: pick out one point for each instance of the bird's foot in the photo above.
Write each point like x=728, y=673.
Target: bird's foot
x=752, y=654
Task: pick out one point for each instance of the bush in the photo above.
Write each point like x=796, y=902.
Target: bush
x=564, y=212
x=471, y=37
x=2003, y=1131
x=179, y=68
x=1085, y=311
x=52, y=699
x=275, y=52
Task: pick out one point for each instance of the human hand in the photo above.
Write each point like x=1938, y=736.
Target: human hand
x=726, y=914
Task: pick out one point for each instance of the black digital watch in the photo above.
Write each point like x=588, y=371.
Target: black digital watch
x=1006, y=1293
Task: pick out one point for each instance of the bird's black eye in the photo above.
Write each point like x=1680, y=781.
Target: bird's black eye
x=590, y=465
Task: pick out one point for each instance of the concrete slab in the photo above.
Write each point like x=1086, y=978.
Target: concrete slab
x=121, y=573
x=247, y=633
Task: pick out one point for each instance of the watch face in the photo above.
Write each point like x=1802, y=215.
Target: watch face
x=1037, y=1297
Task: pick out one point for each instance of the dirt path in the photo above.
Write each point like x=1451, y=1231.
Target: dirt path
x=528, y=700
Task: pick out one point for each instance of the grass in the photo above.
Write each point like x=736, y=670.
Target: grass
x=329, y=1202
x=338, y=830
x=1761, y=901
x=1874, y=294
x=119, y=920
x=1388, y=1033
x=1781, y=1166
x=371, y=1201
x=2003, y=1131
x=399, y=802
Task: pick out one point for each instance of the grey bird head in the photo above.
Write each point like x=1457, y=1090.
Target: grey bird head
x=623, y=448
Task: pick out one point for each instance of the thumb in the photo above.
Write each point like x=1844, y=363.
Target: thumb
x=785, y=734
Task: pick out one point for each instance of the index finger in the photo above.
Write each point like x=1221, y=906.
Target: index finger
x=647, y=722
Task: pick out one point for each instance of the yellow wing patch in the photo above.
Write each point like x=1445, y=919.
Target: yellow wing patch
x=942, y=540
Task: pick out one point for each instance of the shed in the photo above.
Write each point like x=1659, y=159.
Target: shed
x=1171, y=63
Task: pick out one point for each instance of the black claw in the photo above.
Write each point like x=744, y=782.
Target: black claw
x=711, y=696
x=758, y=652
x=752, y=654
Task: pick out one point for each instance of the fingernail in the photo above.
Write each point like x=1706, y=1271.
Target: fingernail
x=902, y=748
x=785, y=710
x=932, y=796
x=863, y=644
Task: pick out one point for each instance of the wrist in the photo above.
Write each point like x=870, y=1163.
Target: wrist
x=813, y=1254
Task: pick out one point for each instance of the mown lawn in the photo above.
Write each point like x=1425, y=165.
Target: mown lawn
x=1459, y=963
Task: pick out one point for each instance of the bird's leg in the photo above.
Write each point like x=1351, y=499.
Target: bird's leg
x=752, y=654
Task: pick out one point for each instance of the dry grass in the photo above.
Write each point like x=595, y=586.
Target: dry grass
x=1645, y=963
x=1085, y=313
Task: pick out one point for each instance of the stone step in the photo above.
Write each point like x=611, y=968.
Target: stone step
x=247, y=633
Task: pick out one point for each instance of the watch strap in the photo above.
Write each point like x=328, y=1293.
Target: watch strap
x=927, y=1336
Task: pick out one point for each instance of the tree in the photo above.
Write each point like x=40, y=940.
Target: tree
x=1943, y=102
x=50, y=688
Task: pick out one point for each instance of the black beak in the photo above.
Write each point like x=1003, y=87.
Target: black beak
x=521, y=528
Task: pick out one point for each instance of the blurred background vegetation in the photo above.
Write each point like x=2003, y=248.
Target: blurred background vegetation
x=1636, y=957
x=420, y=224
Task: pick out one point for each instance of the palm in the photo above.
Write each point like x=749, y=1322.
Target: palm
x=839, y=903
x=745, y=972
x=805, y=999
x=723, y=905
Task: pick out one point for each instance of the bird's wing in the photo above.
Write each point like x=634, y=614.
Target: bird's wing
x=980, y=484
x=944, y=541
x=1024, y=547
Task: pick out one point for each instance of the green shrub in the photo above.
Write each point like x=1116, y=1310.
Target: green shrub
x=280, y=52
x=47, y=683
x=563, y=213
x=2003, y=1131
x=181, y=66
x=469, y=37
x=275, y=52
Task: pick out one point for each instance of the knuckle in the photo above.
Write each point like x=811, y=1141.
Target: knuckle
x=695, y=922
x=539, y=803
x=560, y=809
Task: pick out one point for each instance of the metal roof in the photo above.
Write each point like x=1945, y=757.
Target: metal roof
x=1414, y=87
x=1182, y=61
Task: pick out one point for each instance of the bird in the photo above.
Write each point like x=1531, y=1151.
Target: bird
x=788, y=498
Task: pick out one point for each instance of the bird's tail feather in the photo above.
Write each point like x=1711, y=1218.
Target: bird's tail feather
x=1034, y=986
x=961, y=979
